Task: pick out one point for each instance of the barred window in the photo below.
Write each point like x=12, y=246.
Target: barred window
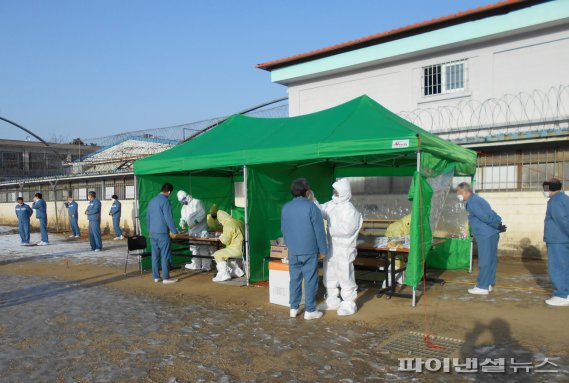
x=12, y=160
x=498, y=177
x=129, y=192
x=109, y=191
x=444, y=78
x=432, y=82
x=523, y=170
x=81, y=194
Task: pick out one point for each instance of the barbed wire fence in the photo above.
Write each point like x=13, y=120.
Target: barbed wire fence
x=510, y=114
x=183, y=132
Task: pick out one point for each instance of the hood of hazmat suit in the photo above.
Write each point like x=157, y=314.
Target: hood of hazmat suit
x=344, y=191
x=183, y=197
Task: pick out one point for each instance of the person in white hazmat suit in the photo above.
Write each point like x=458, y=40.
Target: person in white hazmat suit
x=194, y=217
x=344, y=224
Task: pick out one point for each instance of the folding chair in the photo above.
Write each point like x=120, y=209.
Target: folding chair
x=136, y=243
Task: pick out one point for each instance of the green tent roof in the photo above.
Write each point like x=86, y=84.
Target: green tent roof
x=359, y=130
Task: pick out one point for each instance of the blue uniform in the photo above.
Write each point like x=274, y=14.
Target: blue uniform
x=556, y=236
x=160, y=223
x=302, y=226
x=72, y=211
x=484, y=223
x=24, y=212
x=94, y=217
x=41, y=214
x=116, y=214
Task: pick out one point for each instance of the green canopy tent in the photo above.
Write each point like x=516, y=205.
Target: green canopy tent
x=358, y=138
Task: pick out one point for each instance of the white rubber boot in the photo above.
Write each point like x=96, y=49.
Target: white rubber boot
x=347, y=308
x=195, y=265
x=332, y=301
x=222, y=273
x=236, y=271
x=206, y=264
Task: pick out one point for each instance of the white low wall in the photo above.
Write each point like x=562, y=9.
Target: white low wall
x=523, y=213
x=8, y=216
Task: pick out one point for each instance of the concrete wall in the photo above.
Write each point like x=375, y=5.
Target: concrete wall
x=8, y=216
x=509, y=65
x=523, y=213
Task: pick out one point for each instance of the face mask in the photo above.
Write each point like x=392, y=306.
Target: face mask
x=460, y=198
x=546, y=194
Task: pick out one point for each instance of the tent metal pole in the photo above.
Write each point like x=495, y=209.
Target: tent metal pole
x=471, y=251
x=136, y=208
x=246, y=193
x=414, y=302
x=471, y=243
x=310, y=164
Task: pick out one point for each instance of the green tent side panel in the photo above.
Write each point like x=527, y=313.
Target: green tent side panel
x=421, y=195
x=209, y=189
x=454, y=254
x=268, y=191
x=149, y=186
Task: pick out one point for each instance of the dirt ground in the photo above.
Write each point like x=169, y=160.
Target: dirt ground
x=512, y=321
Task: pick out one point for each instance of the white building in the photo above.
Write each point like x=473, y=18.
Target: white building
x=495, y=79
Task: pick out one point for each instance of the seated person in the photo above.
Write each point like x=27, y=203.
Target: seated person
x=232, y=238
x=399, y=228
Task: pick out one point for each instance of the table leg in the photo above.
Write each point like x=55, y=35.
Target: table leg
x=392, y=272
x=386, y=276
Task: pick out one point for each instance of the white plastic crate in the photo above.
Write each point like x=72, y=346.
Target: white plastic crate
x=279, y=280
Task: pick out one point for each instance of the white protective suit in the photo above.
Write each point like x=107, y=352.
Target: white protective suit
x=344, y=224
x=194, y=218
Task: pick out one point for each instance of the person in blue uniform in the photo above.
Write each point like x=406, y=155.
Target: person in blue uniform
x=115, y=212
x=302, y=226
x=73, y=213
x=23, y=212
x=40, y=207
x=93, y=213
x=161, y=227
x=556, y=236
x=485, y=225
